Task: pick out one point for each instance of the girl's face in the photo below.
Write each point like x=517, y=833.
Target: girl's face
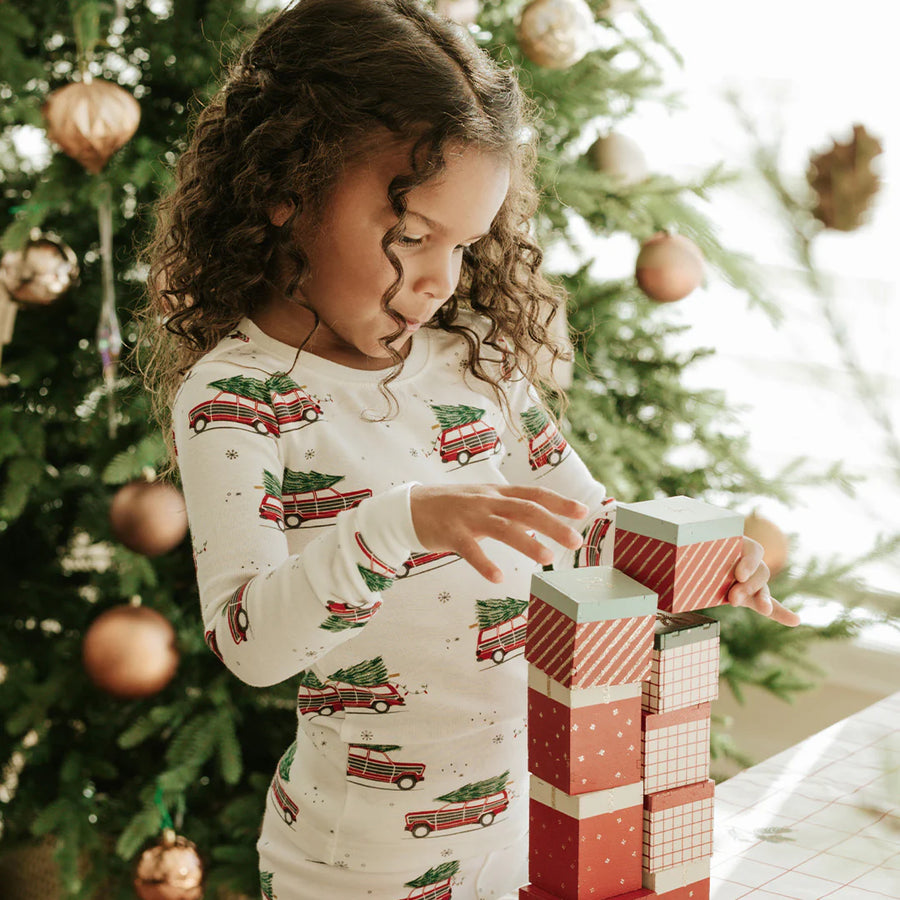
x=349, y=272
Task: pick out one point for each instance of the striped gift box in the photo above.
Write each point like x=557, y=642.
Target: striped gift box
x=591, y=626
x=683, y=549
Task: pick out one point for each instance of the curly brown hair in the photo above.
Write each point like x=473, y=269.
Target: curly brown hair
x=316, y=89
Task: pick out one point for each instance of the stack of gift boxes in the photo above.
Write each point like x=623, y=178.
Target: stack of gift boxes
x=621, y=675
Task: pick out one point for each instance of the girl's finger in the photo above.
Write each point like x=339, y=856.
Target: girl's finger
x=550, y=499
x=528, y=514
x=472, y=553
x=513, y=535
x=783, y=615
x=751, y=558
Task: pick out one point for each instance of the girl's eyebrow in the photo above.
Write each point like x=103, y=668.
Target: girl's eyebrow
x=436, y=226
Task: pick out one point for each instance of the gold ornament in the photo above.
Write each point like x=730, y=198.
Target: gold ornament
x=619, y=157
x=844, y=182
x=669, y=267
x=464, y=12
x=774, y=541
x=44, y=269
x=129, y=651
x=90, y=120
x=172, y=870
x=148, y=517
x=556, y=34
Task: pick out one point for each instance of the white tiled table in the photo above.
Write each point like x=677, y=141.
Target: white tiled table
x=821, y=819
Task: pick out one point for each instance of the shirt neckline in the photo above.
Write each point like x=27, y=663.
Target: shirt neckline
x=309, y=362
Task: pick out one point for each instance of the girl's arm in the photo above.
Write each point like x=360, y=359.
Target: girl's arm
x=269, y=614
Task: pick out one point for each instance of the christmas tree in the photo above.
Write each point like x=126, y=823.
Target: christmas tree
x=99, y=777
x=435, y=874
x=501, y=609
x=477, y=790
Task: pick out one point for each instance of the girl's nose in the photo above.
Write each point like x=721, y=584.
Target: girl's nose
x=437, y=275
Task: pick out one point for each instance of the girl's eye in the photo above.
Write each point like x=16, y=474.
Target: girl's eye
x=407, y=240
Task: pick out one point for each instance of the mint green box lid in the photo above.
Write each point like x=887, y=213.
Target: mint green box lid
x=679, y=520
x=594, y=594
x=678, y=629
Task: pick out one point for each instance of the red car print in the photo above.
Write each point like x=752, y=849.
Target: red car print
x=285, y=804
x=374, y=764
x=465, y=441
x=232, y=409
x=272, y=509
x=310, y=506
x=546, y=448
x=375, y=564
x=482, y=811
x=354, y=616
x=213, y=643
x=496, y=641
x=294, y=407
x=417, y=560
x=438, y=891
x=337, y=695
x=238, y=622
x=593, y=541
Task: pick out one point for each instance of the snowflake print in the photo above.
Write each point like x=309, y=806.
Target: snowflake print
x=310, y=453
x=444, y=596
x=231, y=454
x=498, y=738
x=366, y=735
x=413, y=451
x=446, y=852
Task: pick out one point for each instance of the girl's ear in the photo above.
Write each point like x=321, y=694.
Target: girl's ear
x=280, y=213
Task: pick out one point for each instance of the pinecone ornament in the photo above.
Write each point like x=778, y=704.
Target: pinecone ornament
x=844, y=182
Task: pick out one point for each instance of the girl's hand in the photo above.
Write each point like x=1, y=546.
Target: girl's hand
x=456, y=518
x=752, y=588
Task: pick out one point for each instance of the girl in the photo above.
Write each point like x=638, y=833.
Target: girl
x=353, y=309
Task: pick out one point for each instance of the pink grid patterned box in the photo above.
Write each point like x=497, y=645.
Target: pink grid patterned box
x=678, y=826
x=684, y=662
x=675, y=748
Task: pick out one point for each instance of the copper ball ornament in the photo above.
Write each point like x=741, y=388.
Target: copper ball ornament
x=171, y=870
x=669, y=267
x=556, y=34
x=148, y=517
x=43, y=270
x=90, y=120
x=130, y=651
x=775, y=543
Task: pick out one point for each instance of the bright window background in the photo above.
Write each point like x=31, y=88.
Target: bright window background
x=806, y=72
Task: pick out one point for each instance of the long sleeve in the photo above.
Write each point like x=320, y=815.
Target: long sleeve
x=540, y=455
x=270, y=613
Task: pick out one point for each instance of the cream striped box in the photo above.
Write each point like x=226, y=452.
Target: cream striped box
x=591, y=626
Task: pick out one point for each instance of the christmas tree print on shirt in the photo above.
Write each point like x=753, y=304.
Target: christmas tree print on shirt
x=285, y=805
x=433, y=884
x=300, y=497
x=377, y=575
x=363, y=687
x=502, y=623
x=265, y=886
x=268, y=407
x=464, y=434
x=478, y=803
x=379, y=765
x=546, y=446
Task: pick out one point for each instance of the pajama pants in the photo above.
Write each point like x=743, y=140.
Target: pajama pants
x=294, y=877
